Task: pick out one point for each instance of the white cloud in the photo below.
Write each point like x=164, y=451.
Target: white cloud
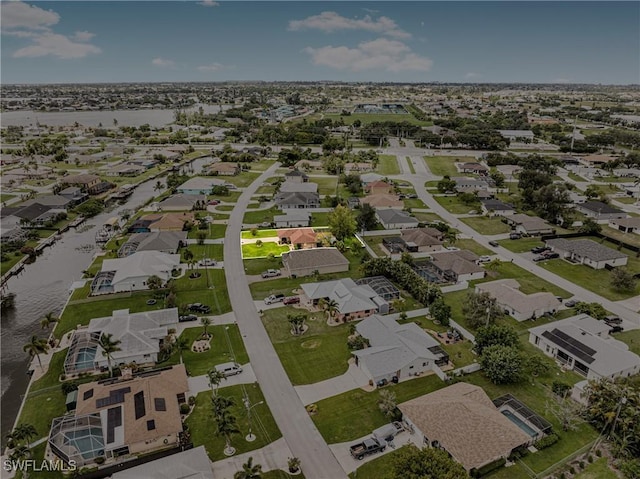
x=163, y=62
x=331, y=22
x=381, y=54
x=83, y=36
x=209, y=3
x=213, y=67
x=60, y=46
x=21, y=15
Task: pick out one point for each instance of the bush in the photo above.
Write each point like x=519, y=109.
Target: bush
x=590, y=459
x=358, y=342
x=598, y=453
x=572, y=470
x=487, y=468
x=559, y=388
x=192, y=400
x=184, y=409
x=100, y=460
x=547, y=441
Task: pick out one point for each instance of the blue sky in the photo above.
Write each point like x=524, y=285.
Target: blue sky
x=542, y=42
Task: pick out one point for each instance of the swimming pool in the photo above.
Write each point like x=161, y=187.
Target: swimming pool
x=520, y=423
x=85, y=358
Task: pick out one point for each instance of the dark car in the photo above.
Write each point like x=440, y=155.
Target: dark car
x=613, y=320
x=291, y=300
x=199, y=308
x=551, y=255
x=495, y=244
x=382, y=382
x=187, y=317
x=540, y=249
x=571, y=303
x=515, y=236
x=616, y=329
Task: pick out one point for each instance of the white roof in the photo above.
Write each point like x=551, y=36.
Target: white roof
x=190, y=464
x=141, y=264
x=507, y=293
x=350, y=297
x=295, y=187
x=200, y=183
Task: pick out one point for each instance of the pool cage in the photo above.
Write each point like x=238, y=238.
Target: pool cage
x=428, y=271
x=82, y=352
x=382, y=286
x=77, y=438
x=101, y=283
x=128, y=249
x=509, y=402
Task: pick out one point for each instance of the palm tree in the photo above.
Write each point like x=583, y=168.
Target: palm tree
x=297, y=322
x=36, y=347
x=215, y=378
x=158, y=186
x=48, y=320
x=331, y=307
x=226, y=425
x=25, y=432
x=181, y=344
x=188, y=255
x=21, y=453
x=108, y=348
x=249, y=471
x=206, y=322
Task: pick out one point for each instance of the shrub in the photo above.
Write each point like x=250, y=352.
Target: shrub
x=581, y=464
x=100, y=460
x=598, y=453
x=358, y=342
x=559, y=388
x=590, y=459
x=184, y=409
x=572, y=470
x=192, y=400
x=546, y=441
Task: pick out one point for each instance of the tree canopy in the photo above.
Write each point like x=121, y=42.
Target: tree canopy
x=413, y=463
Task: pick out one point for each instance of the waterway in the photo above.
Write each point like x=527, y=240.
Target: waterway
x=45, y=286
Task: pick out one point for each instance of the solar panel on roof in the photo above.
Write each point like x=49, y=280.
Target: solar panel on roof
x=114, y=420
x=87, y=394
x=160, y=404
x=115, y=397
x=575, y=347
x=138, y=403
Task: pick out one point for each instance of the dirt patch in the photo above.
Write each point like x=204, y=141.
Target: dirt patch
x=311, y=344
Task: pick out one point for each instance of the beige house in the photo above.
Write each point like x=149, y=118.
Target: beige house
x=223, y=169
x=382, y=200
x=304, y=262
x=517, y=304
x=422, y=239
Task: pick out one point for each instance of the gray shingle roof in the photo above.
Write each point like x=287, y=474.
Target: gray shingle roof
x=586, y=249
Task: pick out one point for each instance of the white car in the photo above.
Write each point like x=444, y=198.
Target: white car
x=484, y=259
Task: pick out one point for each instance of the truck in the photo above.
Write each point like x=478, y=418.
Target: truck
x=366, y=447
x=386, y=433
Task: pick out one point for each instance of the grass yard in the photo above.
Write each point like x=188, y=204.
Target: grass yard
x=280, y=474
x=266, y=189
x=443, y=165
x=258, y=265
x=366, y=118
x=262, y=165
x=5, y=197
x=414, y=203
x=214, y=231
x=378, y=468
x=201, y=422
x=487, y=226
x=242, y=180
x=271, y=233
x=629, y=238
x=252, y=250
x=326, y=185
x=631, y=339
x=232, y=197
x=320, y=353
x=627, y=200
x=575, y=177
x=319, y=219
x=375, y=243
x=14, y=257
x=453, y=205
x=41, y=407
x=261, y=216
x=598, y=470
x=213, y=251
x=388, y=165
x=473, y=246
x=522, y=245
x=411, y=167
x=210, y=289
x=199, y=363
x=353, y=414
x=426, y=217
x=225, y=207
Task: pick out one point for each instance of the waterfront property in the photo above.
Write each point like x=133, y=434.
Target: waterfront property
x=168, y=242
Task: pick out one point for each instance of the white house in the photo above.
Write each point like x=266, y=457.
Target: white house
x=394, y=220
x=518, y=305
x=292, y=219
x=583, y=344
x=199, y=185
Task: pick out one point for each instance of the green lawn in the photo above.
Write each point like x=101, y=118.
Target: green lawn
x=320, y=353
x=280, y=474
x=627, y=200
x=319, y=219
x=41, y=407
x=14, y=257
x=258, y=265
x=199, y=363
x=214, y=231
x=213, y=251
x=632, y=339
x=487, y=226
x=522, y=245
x=380, y=467
x=443, y=165
x=249, y=234
x=225, y=207
x=231, y=197
x=266, y=190
x=453, y=205
x=375, y=243
x=411, y=167
x=252, y=250
x=201, y=422
x=261, y=216
x=629, y=238
x=326, y=185
x=262, y=165
x=598, y=470
x=210, y=289
x=414, y=203
x=377, y=117
x=243, y=179
x=388, y=165
x=426, y=217
x=575, y=177
x=473, y=246
x=4, y=197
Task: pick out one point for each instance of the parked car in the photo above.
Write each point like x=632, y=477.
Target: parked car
x=540, y=249
x=613, y=320
x=214, y=202
x=515, y=236
x=539, y=258
x=208, y=262
x=495, y=244
x=382, y=382
x=550, y=255
x=616, y=329
x=271, y=273
x=229, y=369
x=274, y=298
x=199, y=308
x=571, y=303
x=291, y=300
x=452, y=248
x=387, y=432
x=412, y=196
x=187, y=317
x=483, y=259
x=366, y=447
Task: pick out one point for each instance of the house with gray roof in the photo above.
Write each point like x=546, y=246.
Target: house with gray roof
x=517, y=135
x=164, y=241
x=400, y=350
x=297, y=199
x=517, y=304
x=529, y=225
x=298, y=187
x=497, y=208
x=393, y=219
x=292, y=219
x=304, y=262
x=454, y=266
x=181, y=202
x=190, y=464
x=599, y=211
x=626, y=225
x=583, y=344
x=354, y=301
x=52, y=201
x=587, y=252
x=199, y=185
x=296, y=176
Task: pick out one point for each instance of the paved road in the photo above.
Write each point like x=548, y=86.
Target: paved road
x=303, y=438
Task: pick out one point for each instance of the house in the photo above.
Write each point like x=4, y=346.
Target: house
x=497, y=208
x=189, y=464
x=517, y=135
x=517, y=304
x=297, y=200
x=309, y=165
x=305, y=262
x=91, y=184
x=367, y=178
x=292, y=219
x=473, y=168
x=162, y=222
x=125, y=170
x=52, y=201
x=466, y=184
x=298, y=187
x=587, y=252
x=599, y=211
x=168, y=242
x=354, y=301
x=132, y=272
x=356, y=168
x=529, y=225
x=378, y=188
x=462, y=420
x=34, y=214
x=394, y=220
x=626, y=225
x=596, y=160
x=223, y=169
x=396, y=350
x=420, y=240
x=140, y=334
x=74, y=194
x=382, y=200
x=452, y=266
x=583, y=344
x=180, y=202
x=199, y=185
x=299, y=238
x=115, y=418
x=296, y=176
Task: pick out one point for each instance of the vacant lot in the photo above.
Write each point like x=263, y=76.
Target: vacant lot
x=259, y=234
x=453, y=205
x=326, y=185
x=487, y=226
x=388, y=165
x=199, y=363
x=632, y=339
x=473, y=247
x=522, y=245
x=252, y=250
x=261, y=216
x=444, y=165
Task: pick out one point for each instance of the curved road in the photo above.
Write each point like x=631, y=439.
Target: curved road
x=299, y=431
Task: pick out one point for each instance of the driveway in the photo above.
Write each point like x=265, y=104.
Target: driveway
x=272, y=456
x=198, y=384
x=354, y=378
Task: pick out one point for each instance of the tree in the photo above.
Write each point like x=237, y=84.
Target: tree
x=21, y=453
x=331, y=307
x=201, y=236
x=109, y=346
x=215, y=378
x=249, y=471
x=341, y=222
x=537, y=364
x=367, y=217
x=158, y=186
x=566, y=411
x=446, y=184
x=48, y=320
x=387, y=403
x=440, y=311
x=622, y=279
x=297, y=323
x=595, y=310
x=24, y=432
x=226, y=426
x=551, y=201
x=90, y=208
x=36, y=347
x=181, y=344
x=410, y=462
x=495, y=334
x=187, y=255
x=502, y=364
x=590, y=227
x=206, y=322
x=154, y=282
x=481, y=309
x=593, y=191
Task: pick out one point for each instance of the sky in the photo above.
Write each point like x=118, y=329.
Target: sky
x=207, y=40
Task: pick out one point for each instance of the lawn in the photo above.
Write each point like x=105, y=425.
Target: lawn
x=210, y=289
x=199, y=363
x=388, y=165
x=487, y=226
x=320, y=353
x=425, y=217
x=202, y=424
x=262, y=165
x=201, y=251
x=243, y=179
x=632, y=339
x=598, y=470
x=4, y=197
x=376, y=117
x=522, y=245
x=575, y=177
x=453, y=205
x=255, y=234
x=14, y=257
x=261, y=216
x=225, y=207
x=41, y=407
x=214, y=231
x=231, y=197
x=375, y=243
x=353, y=414
x=411, y=167
x=326, y=185
x=473, y=246
x=629, y=238
x=319, y=219
x=252, y=250
x=444, y=165
x=258, y=265
x=414, y=203
x=378, y=468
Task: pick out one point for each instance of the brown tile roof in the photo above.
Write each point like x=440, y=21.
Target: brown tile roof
x=382, y=200
x=460, y=262
x=311, y=258
x=168, y=221
x=422, y=236
x=465, y=422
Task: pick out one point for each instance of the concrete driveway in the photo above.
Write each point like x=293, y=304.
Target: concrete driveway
x=354, y=378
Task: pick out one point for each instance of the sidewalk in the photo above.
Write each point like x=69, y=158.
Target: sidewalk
x=354, y=378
